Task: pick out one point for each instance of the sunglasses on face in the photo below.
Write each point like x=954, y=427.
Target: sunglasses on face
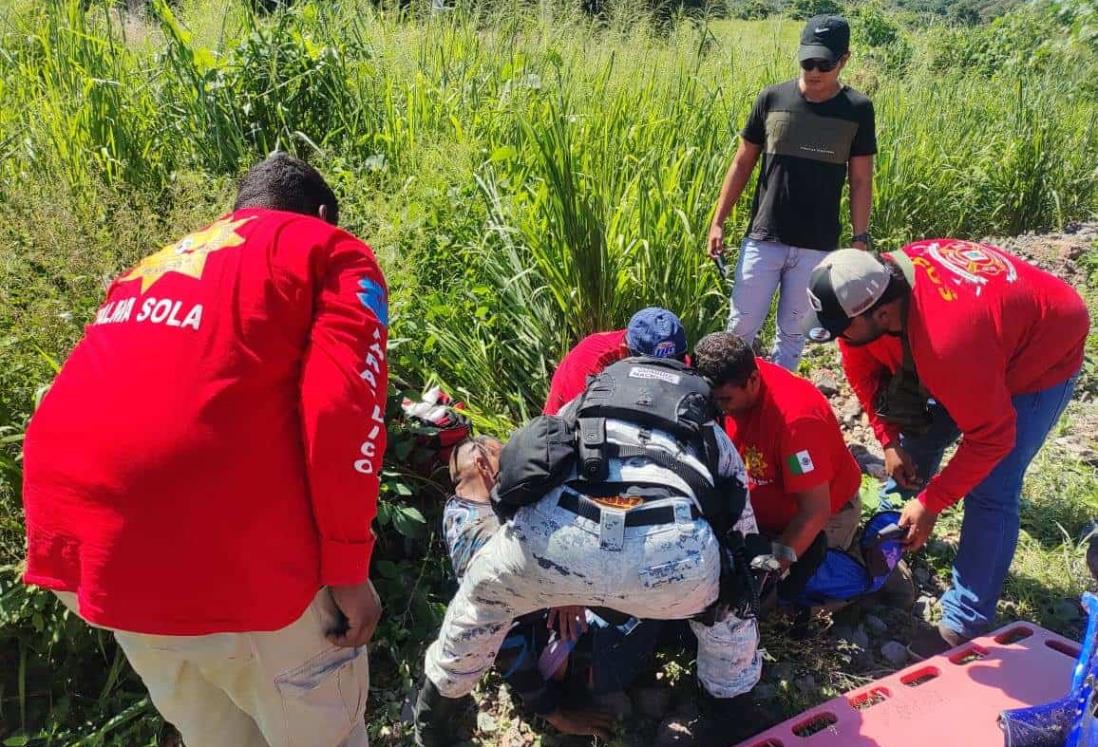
x=822, y=65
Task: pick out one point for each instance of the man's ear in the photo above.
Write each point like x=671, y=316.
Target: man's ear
x=322, y=213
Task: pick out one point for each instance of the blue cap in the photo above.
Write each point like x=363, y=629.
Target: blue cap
x=656, y=332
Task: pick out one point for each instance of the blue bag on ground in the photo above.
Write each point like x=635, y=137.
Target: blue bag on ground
x=843, y=576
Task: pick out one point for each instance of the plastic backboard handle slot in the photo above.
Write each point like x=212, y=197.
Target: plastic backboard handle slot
x=815, y=724
x=870, y=698
x=920, y=676
x=768, y=743
x=968, y=654
x=1013, y=635
x=1063, y=648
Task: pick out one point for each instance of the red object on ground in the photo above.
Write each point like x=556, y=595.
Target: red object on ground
x=208, y=457
x=946, y=701
x=790, y=441
x=589, y=357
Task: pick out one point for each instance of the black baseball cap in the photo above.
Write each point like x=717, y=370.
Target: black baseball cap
x=825, y=38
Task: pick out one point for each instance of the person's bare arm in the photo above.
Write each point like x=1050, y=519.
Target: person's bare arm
x=814, y=509
x=860, y=175
x=743, y=163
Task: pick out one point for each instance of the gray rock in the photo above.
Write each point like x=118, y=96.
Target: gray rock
x=876, y=624
x=826, y=381
x=851, y=412
x=805, y=685
x=924, y=607
x=895, y=653
x=486, y=722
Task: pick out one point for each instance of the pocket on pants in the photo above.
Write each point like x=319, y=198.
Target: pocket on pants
x=325, y=698
x=684, y=569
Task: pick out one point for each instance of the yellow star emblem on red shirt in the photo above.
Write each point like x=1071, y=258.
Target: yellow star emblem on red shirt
x=188, y=255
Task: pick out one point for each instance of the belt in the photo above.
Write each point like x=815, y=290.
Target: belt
x=634, y=517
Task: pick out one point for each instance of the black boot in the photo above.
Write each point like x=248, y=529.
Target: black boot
x=717, y=722
x=436, y=716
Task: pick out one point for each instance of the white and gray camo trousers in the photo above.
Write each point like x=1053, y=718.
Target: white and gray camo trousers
x=548, y=556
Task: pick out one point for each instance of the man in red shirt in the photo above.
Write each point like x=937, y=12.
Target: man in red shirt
x=946, y=338
x=202, y=475
x=652, y=331
x=802, y=478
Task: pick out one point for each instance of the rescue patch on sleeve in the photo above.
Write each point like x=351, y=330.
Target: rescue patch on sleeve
x=373, y=299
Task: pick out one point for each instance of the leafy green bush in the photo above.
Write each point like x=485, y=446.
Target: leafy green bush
x=752, y=10
x=1017, y=43
x=803, y=9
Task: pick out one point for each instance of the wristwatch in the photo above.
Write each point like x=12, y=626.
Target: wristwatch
x=863, y=237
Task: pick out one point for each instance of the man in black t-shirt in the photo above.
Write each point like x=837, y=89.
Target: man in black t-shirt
x=813, y=133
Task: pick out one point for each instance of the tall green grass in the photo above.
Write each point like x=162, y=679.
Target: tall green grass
x=532, y=168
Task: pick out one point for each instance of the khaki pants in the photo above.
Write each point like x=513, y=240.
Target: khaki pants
x=843, y=524
x=285, y=688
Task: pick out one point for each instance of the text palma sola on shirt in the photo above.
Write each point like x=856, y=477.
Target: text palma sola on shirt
x=164, y=311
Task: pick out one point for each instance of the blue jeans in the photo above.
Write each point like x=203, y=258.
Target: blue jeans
x=989, y=531
x=762, y=268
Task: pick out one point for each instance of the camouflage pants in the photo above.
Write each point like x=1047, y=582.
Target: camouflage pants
x=548, y=556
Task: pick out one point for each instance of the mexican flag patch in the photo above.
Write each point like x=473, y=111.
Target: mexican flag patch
x=800, y=463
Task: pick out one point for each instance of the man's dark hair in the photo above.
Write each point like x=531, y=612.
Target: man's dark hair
x=284, y=182
x=724, y=358
x=897, y=286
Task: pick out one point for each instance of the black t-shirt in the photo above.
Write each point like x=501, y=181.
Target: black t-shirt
x=805, y=150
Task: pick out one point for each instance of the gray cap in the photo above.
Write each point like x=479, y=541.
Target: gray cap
x=847, y=283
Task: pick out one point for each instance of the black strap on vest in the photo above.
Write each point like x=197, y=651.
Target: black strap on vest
x=699, y=486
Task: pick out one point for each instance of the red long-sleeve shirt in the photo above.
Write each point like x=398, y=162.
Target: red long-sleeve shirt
x=588, y=358
x=208, y=457
x=984, y=326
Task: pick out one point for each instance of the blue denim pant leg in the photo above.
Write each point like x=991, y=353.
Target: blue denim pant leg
x=762, y=269
x=794, y=306
x=926, y=451
x=758, y=275
x=989, y=532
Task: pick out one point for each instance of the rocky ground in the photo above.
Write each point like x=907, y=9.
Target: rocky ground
x=850, y=647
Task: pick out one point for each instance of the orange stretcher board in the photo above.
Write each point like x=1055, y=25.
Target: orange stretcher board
x=952, y=700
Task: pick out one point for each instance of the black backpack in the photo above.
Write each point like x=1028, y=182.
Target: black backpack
x=654, y=393
x=538, y=457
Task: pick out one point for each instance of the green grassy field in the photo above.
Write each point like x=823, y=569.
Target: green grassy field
x=527, y=174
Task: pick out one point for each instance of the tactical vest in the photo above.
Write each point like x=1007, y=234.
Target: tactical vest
x=652, y=393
